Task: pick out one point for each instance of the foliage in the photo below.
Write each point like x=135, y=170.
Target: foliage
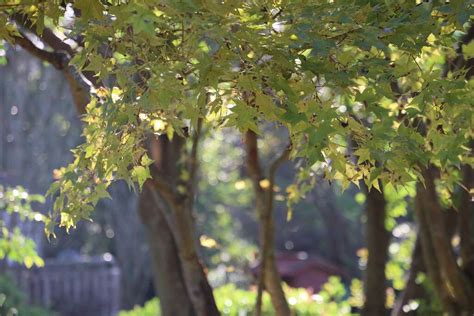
x=400, y=251
x=431, y=304
x=222, y=191
x=232, y=301
x=403, y=234
x=13, y=302
x=325, y=70
x=13, y=244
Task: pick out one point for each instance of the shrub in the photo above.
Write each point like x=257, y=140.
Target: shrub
x=232, y=301
x=13, y=302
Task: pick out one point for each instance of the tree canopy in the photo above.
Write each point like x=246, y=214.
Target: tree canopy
x=359, y=84
x=372, y=93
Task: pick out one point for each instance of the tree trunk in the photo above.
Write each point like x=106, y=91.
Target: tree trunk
x=427, y=248
x=168, y=166
x=269, y=270
x=377, y=245
x=167, y=274
x=451, y=284
x=466, y=223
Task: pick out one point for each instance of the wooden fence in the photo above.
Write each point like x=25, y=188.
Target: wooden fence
x=72, y=288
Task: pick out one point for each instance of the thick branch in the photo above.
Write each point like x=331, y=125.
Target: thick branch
x=48, y=36
x=54, y=42
x=58, y=60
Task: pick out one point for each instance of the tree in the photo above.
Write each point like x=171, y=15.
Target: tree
x=377, y=245
x=152, y=208
x=264, y=189
x=321, y=69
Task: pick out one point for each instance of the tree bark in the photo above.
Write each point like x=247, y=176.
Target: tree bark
x=427, y=248
x=466, y=223
x=377, y=245
x=451, y=284
x=167, y=170
x=269, y=275
x=166, y=266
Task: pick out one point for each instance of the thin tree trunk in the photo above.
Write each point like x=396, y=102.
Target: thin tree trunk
x=269, y=270
x=264, y=204
x=196, y=280
x=167, y=273
x=377, y=245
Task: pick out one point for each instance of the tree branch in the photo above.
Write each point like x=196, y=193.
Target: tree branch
x=54, y=42
x=47, y=36
x=285, y=154
x=253, y=165
x=58, y=60
x=193, y=164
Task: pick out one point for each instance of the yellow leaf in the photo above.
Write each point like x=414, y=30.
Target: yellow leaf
x=102, y=92
x=375, y=184
x=28, y=261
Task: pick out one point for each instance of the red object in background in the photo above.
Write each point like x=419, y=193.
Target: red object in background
x=302, y=270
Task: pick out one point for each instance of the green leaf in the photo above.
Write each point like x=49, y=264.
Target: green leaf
x=90, y=8
x=140, y=174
